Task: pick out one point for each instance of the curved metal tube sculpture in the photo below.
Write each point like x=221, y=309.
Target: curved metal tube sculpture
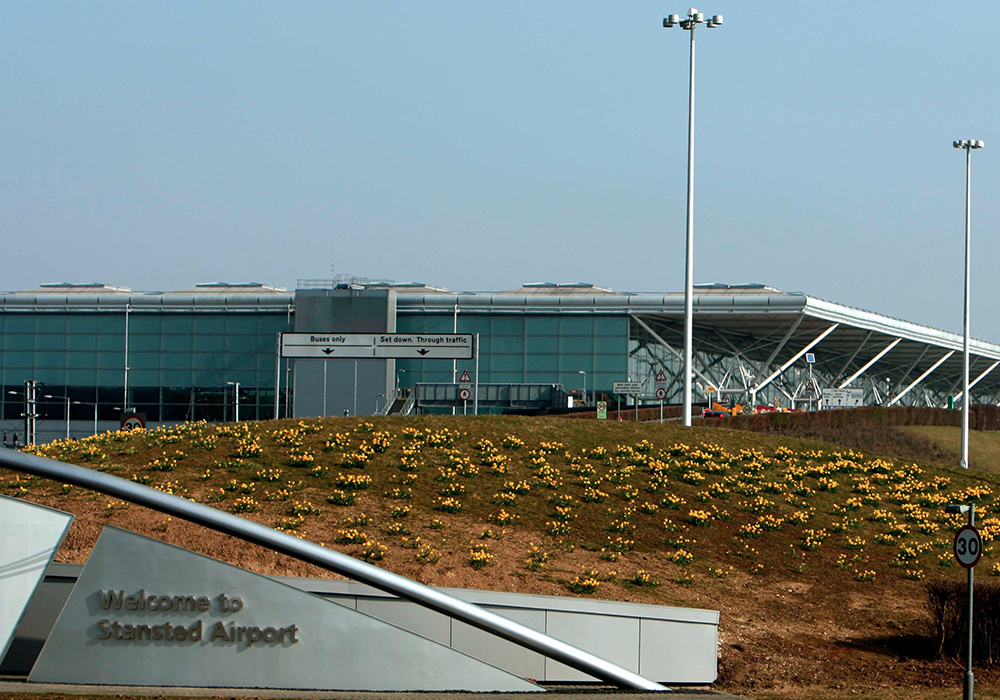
x=330, y=560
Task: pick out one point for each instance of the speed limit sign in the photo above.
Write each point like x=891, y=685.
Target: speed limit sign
x=968, y=546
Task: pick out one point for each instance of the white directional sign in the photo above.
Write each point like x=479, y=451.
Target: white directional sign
x=842, y=398
x=360, y=346
x=631, y=388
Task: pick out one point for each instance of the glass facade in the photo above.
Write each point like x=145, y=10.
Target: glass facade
x=180, y=364
x=527, y=348
x=182, y=356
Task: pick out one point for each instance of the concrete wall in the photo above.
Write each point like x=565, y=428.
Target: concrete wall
x=666, y=644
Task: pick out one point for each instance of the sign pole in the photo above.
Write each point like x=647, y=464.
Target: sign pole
x=277, y=377
x=968, y=688
x=661, y=410
x=968, y=549
x=475, y=396
x=324, y=388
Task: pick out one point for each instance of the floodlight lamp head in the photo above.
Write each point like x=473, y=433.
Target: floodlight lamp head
x=698, y=17
x=717, y=20
x=956, y=509
x=979, y=144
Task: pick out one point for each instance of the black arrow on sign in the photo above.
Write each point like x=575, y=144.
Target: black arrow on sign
x=423, y=351
x=328, y=350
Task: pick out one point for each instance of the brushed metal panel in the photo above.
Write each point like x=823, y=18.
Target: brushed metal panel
x=615, y=639
x=490, y=648
x=678, y=651
x=411, y=617
x=333, y=647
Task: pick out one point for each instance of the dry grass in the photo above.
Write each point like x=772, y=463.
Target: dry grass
x=984, y=447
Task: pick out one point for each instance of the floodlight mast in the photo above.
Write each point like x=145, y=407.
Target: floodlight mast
x=968, y=146
x=694, y=18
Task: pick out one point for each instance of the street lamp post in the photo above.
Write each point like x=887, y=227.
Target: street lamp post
x=87, y=403
x=969, y=146
x=66, y=398
x=693, y=20
x=236, y=393
x=580, y=371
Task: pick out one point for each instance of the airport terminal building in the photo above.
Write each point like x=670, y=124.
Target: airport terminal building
x=100, y=350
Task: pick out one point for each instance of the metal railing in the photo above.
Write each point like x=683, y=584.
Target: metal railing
x=342, y=564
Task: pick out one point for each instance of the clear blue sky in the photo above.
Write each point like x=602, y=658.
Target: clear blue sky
x=480, y=145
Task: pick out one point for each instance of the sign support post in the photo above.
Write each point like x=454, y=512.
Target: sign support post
x=475, y=396
x=277, y=376
x=324, y=389
x=968, y=551
x=661, y=389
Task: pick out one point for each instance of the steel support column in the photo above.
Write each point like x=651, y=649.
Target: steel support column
x=921, y=377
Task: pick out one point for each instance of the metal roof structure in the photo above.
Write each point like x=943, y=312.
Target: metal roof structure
x=750, y=342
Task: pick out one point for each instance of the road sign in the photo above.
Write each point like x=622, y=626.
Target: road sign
x=464, y=394
x=710, y=390
x=968, y=546
x=661, y=376
x=131, y=421
x=602, y=410
x=629, y=388
x=842, y=398
x=661, y=393
x=465, y=378
x=360, y=346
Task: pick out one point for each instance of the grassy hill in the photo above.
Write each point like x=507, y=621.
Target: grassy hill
x=816, y=554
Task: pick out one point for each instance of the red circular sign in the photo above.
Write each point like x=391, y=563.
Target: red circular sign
x=661, y=393
x=131, y=421
x=464, y=394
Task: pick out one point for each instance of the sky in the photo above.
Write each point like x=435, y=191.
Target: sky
x=477, y=146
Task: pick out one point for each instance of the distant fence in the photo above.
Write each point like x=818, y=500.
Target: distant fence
x=646, y=413
x=981, y=417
